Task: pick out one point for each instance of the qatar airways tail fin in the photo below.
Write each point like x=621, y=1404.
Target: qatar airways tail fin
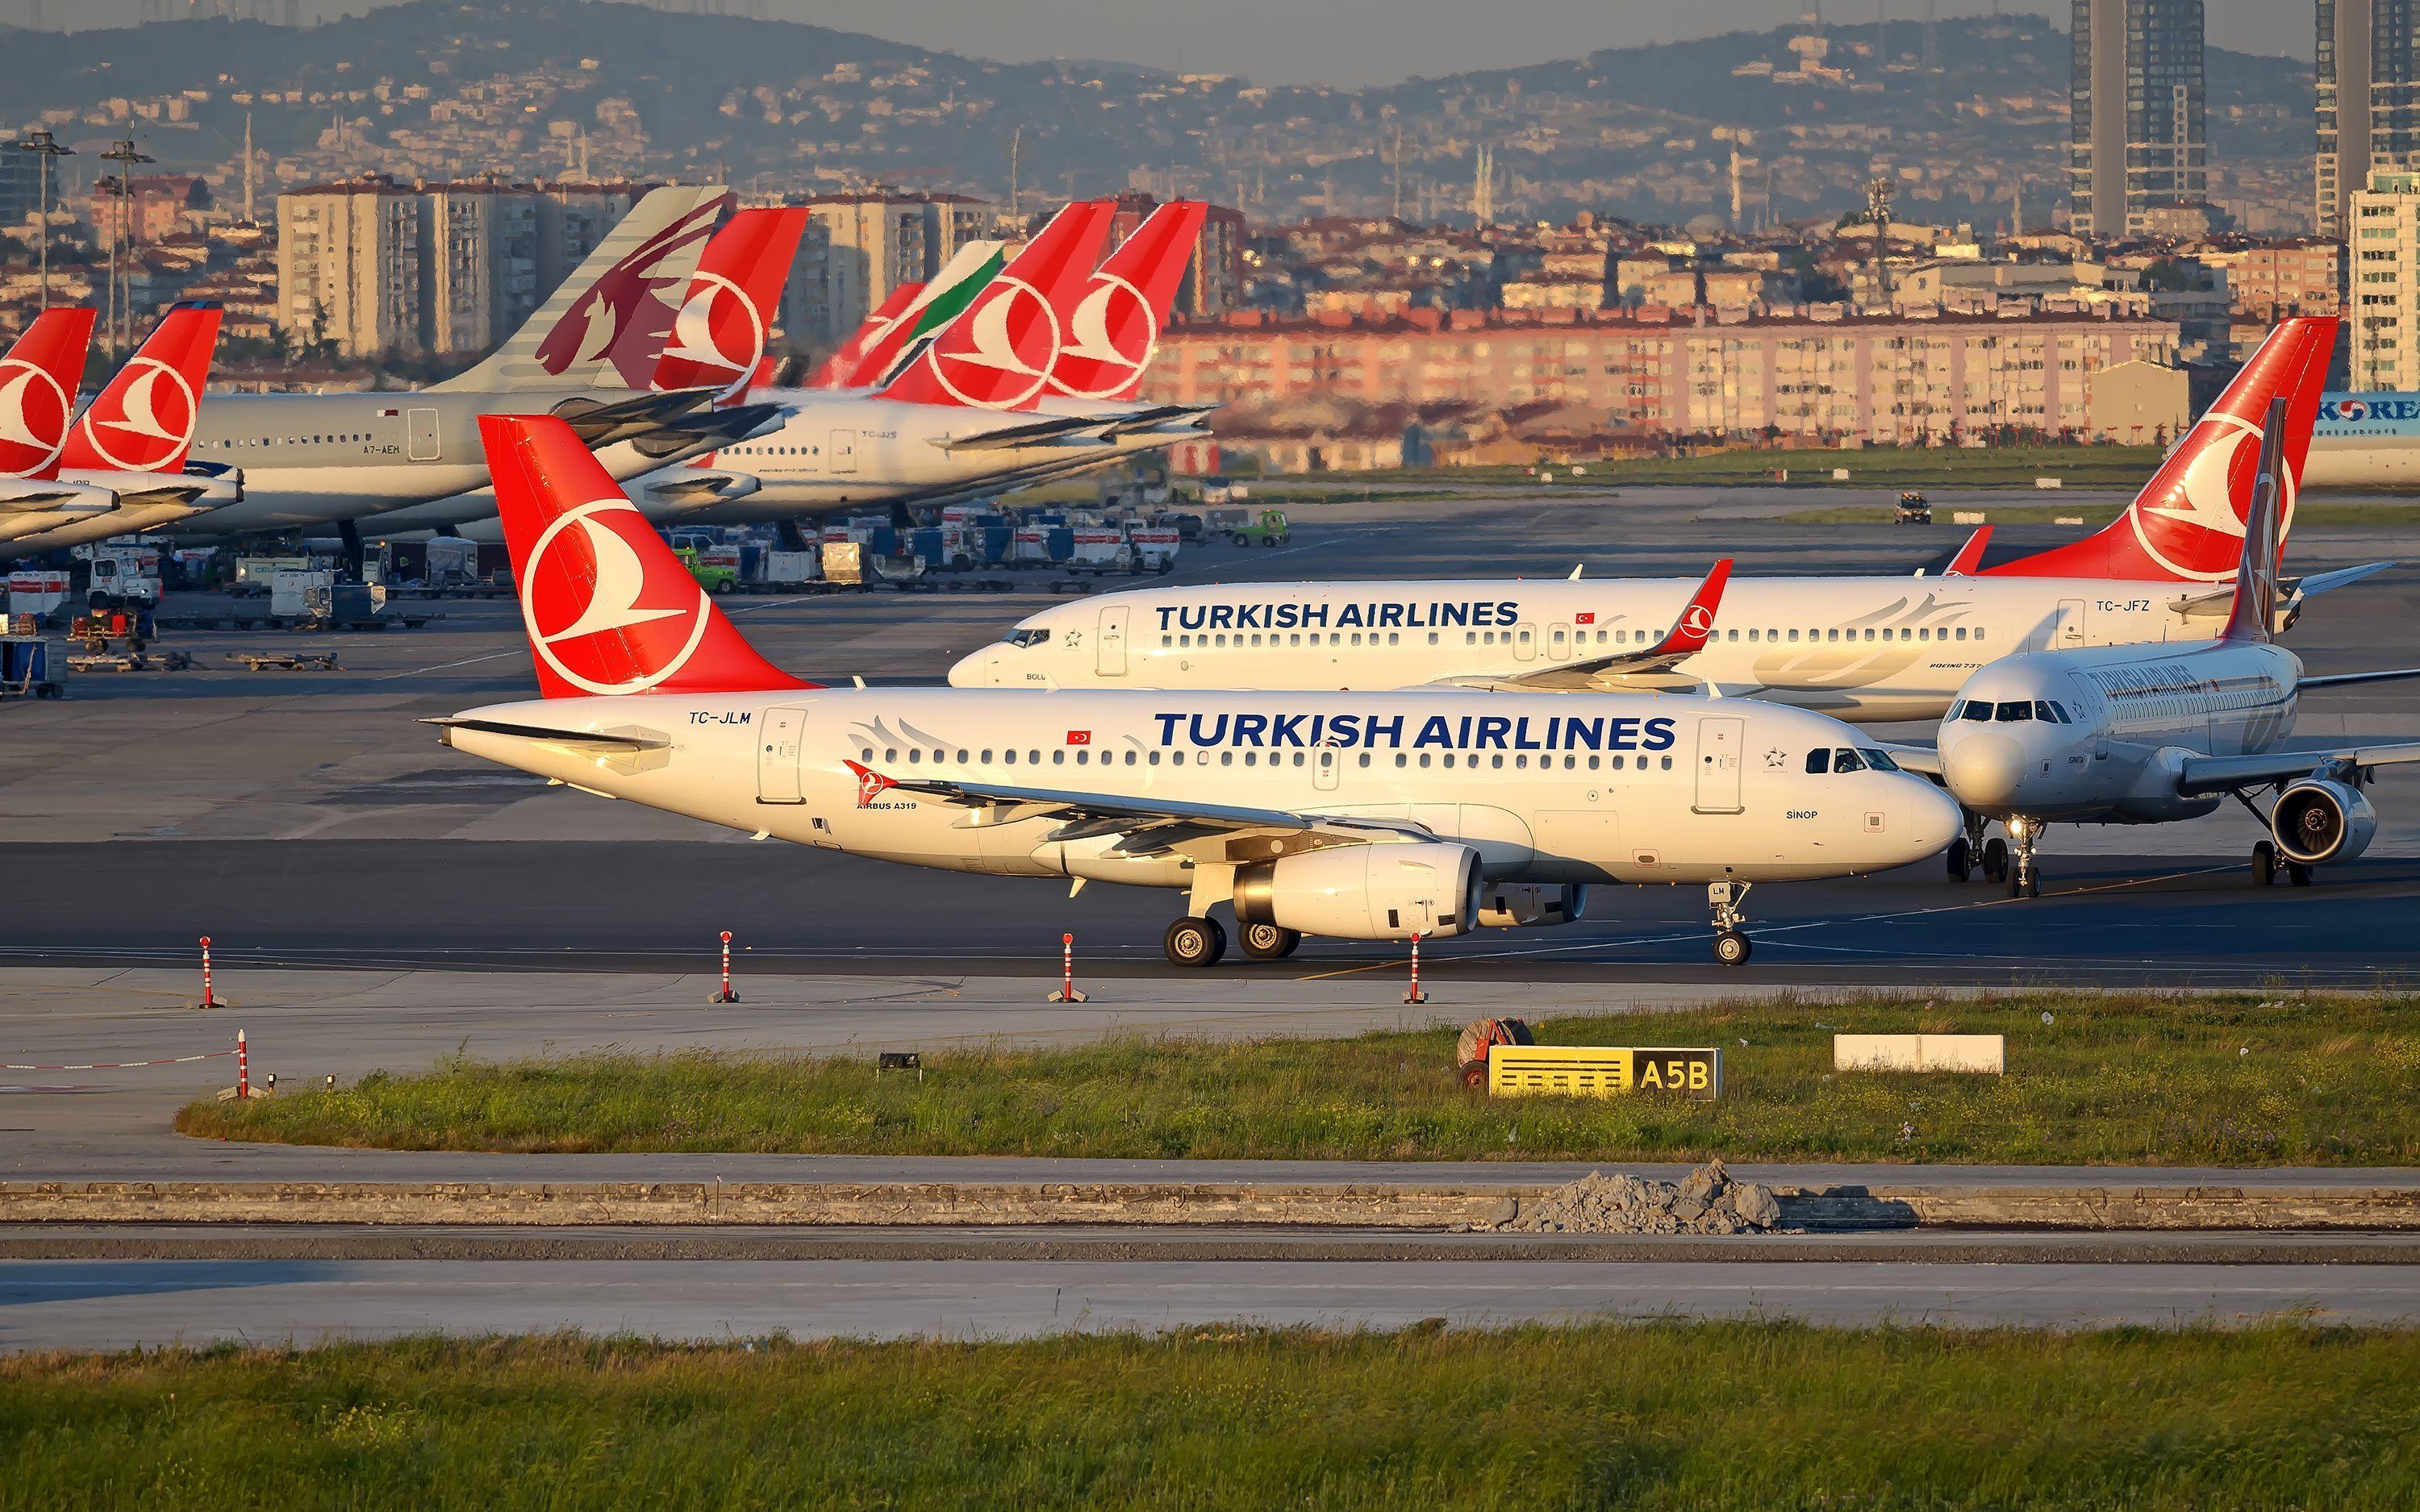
x=608, y=608
x=2187, y=525
x=998, y=354
x=143, y=421
x=38, y=379
x=724, y=327
x=607, y=323
x=835, y=371
x=1114, y=328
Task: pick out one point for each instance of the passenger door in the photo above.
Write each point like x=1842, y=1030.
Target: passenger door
x=1525, y=642
x=844, y=451
x=420, y=437
x=779, y=746
x=2070, y=624
x=1719, y=739
x=1112, y=641
x=1558, y=643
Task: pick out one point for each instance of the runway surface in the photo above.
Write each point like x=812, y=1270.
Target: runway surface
x=125, y=1304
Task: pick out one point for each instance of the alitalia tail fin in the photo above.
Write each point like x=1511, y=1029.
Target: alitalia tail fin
x=607, y=606
x=38, y=379
x=143, y=421
x=608, y=322
x=2187, y=525
x=998, y=354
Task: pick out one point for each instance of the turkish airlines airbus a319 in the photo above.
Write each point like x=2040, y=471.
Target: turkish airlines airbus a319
x=1376, y=817
x=1870, y=649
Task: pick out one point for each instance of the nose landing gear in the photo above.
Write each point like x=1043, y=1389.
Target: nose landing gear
x=1731, y=946
x=2024, y=880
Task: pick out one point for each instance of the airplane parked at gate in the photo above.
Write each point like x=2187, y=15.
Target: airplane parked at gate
x=316, y=460
x=1380, y=817
x=2145, y=734
x=1868, y=649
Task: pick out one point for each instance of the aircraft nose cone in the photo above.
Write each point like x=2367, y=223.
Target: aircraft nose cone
x=1936, y=821
x=1983, y=769
x=971, y=670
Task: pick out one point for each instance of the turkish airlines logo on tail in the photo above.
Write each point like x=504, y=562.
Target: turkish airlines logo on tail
x=1698, y=621
x=624, y=316
x=721, y=332
x=599, y=613
x=1010, y=341
x=34, y=414
x=2192, y=527
x=1113, y=336
x=144, y=422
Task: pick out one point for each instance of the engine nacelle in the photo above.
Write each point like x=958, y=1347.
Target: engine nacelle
x=1365, y=892
x=2317, y=819
x=1531, y=905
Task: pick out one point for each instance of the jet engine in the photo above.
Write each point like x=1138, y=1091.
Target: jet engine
x=1531, y=905
x=1365, y=892
x=2317, y=819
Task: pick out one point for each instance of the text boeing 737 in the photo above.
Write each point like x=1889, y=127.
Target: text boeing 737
x=2146, y=734
x=1871, y=649
x=1373, y=818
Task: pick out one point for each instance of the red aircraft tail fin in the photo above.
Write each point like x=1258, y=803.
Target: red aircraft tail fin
x=38, y=379
x=144, y=422
x=725, y=325
x=1114, y=328
x=998, y=354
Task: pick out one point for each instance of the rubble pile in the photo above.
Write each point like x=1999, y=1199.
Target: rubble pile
x=1707, y=1201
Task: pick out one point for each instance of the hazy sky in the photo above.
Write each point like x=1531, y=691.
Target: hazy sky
x=1352, y=42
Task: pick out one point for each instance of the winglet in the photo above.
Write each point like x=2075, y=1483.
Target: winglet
x=1696, y=626
x=2254, y=612
x=871, y=784
x=1970, y=556
x=1575, y=573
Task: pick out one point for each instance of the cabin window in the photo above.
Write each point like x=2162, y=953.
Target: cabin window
x=1221, y=640
x=914, y=755
x=1668, y=762
x=1008, y=758
x=1793, y=635
x=1496, y=760
x=1295, y=639
x=864, y=754
x=1751, y=636
x=987, y=758
x=1471, y=638
x=1962, y=632
x=1592, y=760
x=1034, y=758
x=1401, y=759
x=1083, y=758
x=1059, y=758
x=890, y=754
x=1256, y=641
x=1978, y=632
x=1364, y=761
x=1449, y=758
x=1155, y=758
x=1734, y=637
x=1226, y=758
x=1433, y=638
x=1356, y=637
x=1165, y=641
x=1251, y=758
x=1525, y=638
x=1300, y=759
x=1394, y=638
x=1521, y=762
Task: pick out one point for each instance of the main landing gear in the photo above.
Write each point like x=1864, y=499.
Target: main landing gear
x=2266, y=863
x=1195, y=942
x=1731, y=947
x=1268, y=942
x=1967, y=850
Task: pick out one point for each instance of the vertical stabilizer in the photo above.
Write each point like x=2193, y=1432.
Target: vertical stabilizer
x=1114, y=328
x=998, y=354
x=725, y=325
x=835, y=372
x=607, y=323
x=143, y=421
x=2253, y=614
x=38, y=379
x=943, y=299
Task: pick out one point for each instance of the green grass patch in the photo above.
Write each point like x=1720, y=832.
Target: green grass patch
x=2099, y=514
x=2114, y=1079
x=1647, y=1416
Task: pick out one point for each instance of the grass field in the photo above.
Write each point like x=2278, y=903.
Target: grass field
x=1657, y=1415
x=2096, y=514
x=2218, y=1081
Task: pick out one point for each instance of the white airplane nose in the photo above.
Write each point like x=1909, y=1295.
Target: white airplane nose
x=1936, y=821
x=971, y=670
x=1983, y=769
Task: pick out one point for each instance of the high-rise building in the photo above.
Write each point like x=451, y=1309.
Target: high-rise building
x=863, y=244
x=2368, y=97
x=349, y=266
x=2137, y=135
x=479, y=261
x=2383, y=296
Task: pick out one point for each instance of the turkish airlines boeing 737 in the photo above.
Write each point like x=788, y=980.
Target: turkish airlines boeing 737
x=1379, y=817
x=1870, y=649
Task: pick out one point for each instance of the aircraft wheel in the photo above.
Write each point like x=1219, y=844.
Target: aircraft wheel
x=1733, y=948
x=1195, y=942
x=1267, y=942
x=1961, y=859
x=2033, y=884
x=2297, y=873
x=1996, y=859
x=2264, y=865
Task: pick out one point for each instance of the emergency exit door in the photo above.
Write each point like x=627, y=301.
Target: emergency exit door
x=1112, y=641
x=420, y=439
x=779, y=746
x=1719, y=739
x=844, y=451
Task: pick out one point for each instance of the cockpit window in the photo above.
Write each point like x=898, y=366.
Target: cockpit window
x=1818, y=763
x=1976, y=710
x=2016, y=712
x=1879, y=761
x=2049, y=713
x=1028, y=637
x=1847, y=760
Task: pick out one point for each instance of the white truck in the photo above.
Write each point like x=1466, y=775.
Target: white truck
x=119, y=576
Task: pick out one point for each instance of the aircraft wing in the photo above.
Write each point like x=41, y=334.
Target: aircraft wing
x=1688, y=636
x=1055, y=428
x=2223, y=774
x=605, y=740
x=602, y=421
x=44, y=503
x=2348, y=679
x=1923, y=760
x=2219, y=600
x=1149, y=826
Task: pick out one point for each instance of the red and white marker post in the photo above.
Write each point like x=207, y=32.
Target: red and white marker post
x=208, y=1001
x=1415, y=996
x=242, y=1068
x=1067, y=993
x=726, y=996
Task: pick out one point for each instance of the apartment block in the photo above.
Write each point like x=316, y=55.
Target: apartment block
x=2369, y=99
x=2138, y=140
x=480, y=253
x=2383, y=298
x=1815, y=374
x=349, y=266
